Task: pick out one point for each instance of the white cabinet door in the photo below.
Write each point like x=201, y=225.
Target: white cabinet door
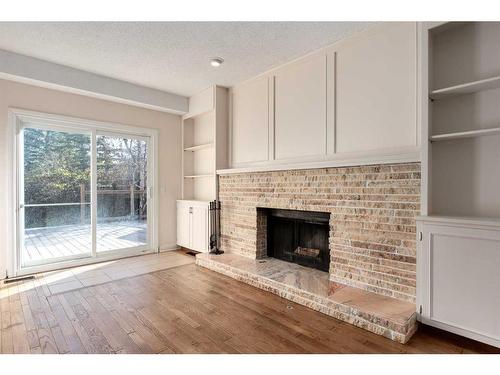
x=183, y=225
x=459, y=279
x=199, y=228
x=250, y=125
x=300, y=109
x=376, y=90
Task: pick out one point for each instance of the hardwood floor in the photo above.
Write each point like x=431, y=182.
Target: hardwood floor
x=187, y=309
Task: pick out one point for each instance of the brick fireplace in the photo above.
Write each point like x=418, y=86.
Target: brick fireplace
x=371, y=278
x=372, y=221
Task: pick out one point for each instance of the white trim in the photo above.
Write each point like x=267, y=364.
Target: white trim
x=68, y=122
x=461, y=331
x=19, y=118
x=464, y=222
x=11, y=224
x=33, y=71
x=93, y=192
x=397, y=156
x=164, y=249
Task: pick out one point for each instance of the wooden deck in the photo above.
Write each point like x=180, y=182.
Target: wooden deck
x=179, y=307
x=45, y=244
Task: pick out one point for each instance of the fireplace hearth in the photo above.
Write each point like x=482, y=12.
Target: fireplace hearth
x=299, y=237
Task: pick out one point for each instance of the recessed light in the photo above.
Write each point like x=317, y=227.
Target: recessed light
x=216, y=61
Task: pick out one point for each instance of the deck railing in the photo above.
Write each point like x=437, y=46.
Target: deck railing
x=131, y=192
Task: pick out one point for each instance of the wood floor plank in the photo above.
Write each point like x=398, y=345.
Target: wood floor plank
x=7, y=344
x=83, y=336
x=19, y=333
x=94, y=338
x=115, y=335
x=47, y=342
x=185, y=309
x=72, y=341
x=156, y=339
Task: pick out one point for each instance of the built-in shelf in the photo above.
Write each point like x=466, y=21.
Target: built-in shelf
x=466, y=134
x=199, y=176
x=199, y=147
x=466, y=88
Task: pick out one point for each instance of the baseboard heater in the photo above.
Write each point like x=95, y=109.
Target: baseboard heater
x=18, y=278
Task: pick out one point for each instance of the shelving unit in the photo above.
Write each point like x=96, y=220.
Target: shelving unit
x=463, y=131
x=458, y=242
x=204, y=137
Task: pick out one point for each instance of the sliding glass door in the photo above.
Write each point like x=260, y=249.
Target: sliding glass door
x=55, y=212
x=122, y=207
x=84, y=193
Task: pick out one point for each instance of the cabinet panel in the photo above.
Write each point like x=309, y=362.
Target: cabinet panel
x=199, y=229
x=460, y=280
x=250, y=125
x=183, y=225
x=377, y=89
x=300, y=109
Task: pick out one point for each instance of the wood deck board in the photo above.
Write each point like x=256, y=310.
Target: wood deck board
x=42, y=244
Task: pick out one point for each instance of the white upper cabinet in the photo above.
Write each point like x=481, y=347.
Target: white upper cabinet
x=376, y=89
x=352, y=103
x=300, y=109
x=250, y=125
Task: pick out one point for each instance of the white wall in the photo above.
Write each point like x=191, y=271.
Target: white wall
x=28, y=97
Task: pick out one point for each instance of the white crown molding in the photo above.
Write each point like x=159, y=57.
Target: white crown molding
x=25, y=69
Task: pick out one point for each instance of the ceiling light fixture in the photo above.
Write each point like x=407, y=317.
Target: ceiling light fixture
x=216, y=61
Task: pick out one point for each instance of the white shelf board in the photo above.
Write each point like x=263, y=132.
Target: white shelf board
x=466, y=88
x=199, y=176
x=466, y=134
x=199, y=147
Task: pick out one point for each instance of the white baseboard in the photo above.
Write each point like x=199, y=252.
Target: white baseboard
x=170, y=247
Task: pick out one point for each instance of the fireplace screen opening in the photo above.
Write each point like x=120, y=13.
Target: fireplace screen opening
x=299, y=237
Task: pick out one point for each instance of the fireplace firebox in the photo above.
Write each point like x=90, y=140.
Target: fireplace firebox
x=299, y=237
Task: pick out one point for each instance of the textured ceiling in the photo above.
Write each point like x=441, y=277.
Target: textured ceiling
x=172, y=56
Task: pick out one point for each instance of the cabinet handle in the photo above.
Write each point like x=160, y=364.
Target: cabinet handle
x=190, y=210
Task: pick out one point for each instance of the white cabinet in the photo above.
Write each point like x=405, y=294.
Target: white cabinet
x=183, y=227
x=351, y=103
x=376, y=90
x=458, y=277
x=199, y=228
x=193, y=225
x=300, y=109
x=250, y=121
